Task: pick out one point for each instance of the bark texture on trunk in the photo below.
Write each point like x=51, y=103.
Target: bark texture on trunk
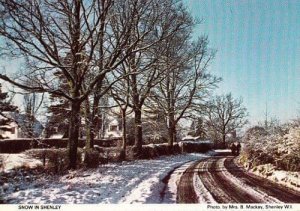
x=171, y=130
x=74, y=134
x=224, y=140
x=88, y=126
x=94, y=124
x=124, y=142
x=172, y=137
x=138, y=135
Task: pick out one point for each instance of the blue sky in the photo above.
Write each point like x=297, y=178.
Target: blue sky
x=258, y=52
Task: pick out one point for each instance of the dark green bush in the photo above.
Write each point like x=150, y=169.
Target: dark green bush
x=155, y=150
x=108, y=154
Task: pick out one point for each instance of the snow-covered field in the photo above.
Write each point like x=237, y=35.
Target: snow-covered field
x=138, y=181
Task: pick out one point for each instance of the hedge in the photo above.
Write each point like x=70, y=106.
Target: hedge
x=200, y=147
x=20, y=145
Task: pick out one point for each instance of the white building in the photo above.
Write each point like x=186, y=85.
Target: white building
x=114, y=129
x=17, y=127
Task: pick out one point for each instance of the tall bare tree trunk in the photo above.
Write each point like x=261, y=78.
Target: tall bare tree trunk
x=138, y=133
x=224, y=140
x=92, y=125
x=171, y=132
x=75, y=103
x=88, y=126
x=74, y=133
x=94, y=120
x=124, y=141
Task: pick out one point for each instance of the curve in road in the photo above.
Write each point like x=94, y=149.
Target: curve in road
x=221, y=180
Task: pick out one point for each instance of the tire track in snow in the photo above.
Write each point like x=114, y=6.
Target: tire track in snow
x=204, y=196
x=207, y=177
x=212, y=182
x=223, y=189
x=186, y=192
x=272, y=189
x=241, y=187
x=169, y=192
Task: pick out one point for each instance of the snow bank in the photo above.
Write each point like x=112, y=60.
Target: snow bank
x=281, y=149
x=274, y=154
x=12, y=161
x=286, y=178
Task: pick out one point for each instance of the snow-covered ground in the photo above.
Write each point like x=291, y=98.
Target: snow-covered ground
x=274, y=153
x=11, y=161
x=287, y=178
x=138, y=181
x=141, y=181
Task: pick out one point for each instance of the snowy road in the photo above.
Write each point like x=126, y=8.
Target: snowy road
x=220, y=180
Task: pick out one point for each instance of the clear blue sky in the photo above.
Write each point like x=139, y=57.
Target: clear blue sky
x=258, y=44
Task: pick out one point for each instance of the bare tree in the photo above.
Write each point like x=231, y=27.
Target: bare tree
x=134, y=89
x=121, y=96
x=32, y=104
x=186, y=82
x=150, y=27
x=225, y=115
x=84, y=40
x=270, y=123
x=146, y=67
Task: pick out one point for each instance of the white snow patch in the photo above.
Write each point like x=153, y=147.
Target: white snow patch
x=12, y=161
x=171, y=192
x=287, y=178
x=222, y=150
x=204, y=196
